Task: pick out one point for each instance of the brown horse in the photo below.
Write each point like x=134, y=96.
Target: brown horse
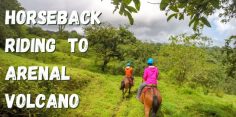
x=151, y=98
x=126, y=85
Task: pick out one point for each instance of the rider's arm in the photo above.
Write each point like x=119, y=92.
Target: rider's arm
x=157, y=73
x=132, y=72
x=145, y=75
x=125, y=71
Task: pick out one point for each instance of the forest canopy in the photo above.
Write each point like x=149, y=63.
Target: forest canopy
x=194, y=10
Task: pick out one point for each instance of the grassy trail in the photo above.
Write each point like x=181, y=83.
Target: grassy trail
x=123, y=102
x=100, y=95
x=117, y=108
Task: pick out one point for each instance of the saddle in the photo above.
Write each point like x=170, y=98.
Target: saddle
x=130, y=79
x=152, y=87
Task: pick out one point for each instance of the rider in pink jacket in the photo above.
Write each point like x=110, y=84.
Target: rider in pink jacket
x=150, y=76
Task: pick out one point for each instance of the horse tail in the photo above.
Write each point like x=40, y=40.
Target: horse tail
x=154, y=106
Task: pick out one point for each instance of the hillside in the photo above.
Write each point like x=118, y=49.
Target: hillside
x=100, y=94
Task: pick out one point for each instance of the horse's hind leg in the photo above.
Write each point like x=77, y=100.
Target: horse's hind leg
x=129, y=89
x=123, y=93
x=122, y=85
x=147, y=110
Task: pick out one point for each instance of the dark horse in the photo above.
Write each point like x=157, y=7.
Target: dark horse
x=126, y=85
x=151, y=98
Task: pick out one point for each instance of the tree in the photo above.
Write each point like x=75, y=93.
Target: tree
x=38, y=31
x=126, y=9
x=74, y=34
x=62, y=33
x=230, y=60
x=186, y=62
x=197, y=11
x=61, y=28
x=139, y=53
x=8, y=31
x=108, y=41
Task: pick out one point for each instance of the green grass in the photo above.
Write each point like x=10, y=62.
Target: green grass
x=100, y=95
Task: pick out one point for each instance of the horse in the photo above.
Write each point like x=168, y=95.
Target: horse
x=151, y=98
x=126, y=85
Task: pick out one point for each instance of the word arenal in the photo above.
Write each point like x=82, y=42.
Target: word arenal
x=51, y=17
x=36, y=73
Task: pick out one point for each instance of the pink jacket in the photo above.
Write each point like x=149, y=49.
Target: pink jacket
x=150, y=75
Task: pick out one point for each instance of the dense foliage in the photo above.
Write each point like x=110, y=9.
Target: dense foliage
x=108, y=42
x=230, y=60
x=179, y=9
x=8, y=30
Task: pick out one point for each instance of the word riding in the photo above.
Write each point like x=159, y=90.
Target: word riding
x=40, y=101
x=52, y=17
x=36, y=73
x=41, y=45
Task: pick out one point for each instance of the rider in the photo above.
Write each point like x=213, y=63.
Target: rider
x=129, y=73
x=150, y=76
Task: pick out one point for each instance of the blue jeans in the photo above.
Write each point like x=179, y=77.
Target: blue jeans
x=140, y=89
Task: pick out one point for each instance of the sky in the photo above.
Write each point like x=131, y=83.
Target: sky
x=150, y=24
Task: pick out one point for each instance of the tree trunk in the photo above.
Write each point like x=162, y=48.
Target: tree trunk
x=105, y=62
